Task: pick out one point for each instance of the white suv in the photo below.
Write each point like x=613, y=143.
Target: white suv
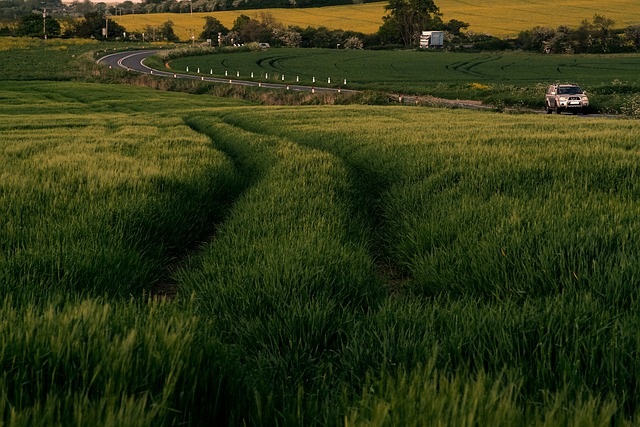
x=566, y=98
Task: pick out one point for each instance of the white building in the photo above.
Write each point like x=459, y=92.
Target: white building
x=430, y=39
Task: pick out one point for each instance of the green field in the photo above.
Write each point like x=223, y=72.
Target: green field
x=510, y=77
x=178, y=259
x=411, y=70
x=501, y=18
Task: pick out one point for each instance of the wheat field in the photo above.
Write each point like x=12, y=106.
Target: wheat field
x=332, y=264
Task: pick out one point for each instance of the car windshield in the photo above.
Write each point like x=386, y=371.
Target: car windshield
x=569, y=90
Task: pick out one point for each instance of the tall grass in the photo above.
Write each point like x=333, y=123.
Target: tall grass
x=355, y=265
x=99, y=203
x=96, y=363
x=285, y=277
x=516, y=222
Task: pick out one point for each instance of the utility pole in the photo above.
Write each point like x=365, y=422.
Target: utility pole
x=44, y=22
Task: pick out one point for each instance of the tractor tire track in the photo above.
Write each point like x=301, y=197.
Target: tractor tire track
x=247, y=174
x=367, y=187
x=468, y=67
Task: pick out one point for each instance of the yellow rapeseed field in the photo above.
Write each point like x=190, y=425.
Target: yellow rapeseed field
x=508, y=17
x=17, y=43
x=365, y=18
x=500, y=18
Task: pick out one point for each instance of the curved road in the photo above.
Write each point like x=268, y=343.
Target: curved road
x=134, y=61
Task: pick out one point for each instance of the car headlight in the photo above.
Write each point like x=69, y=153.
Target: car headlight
x=584, y=98
x=562, y=98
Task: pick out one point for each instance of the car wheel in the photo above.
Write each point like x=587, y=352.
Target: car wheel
x=558, y=111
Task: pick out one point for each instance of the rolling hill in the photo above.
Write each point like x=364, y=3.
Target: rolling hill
x=500, y=18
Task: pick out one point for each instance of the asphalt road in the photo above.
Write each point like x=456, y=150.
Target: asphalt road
x=134, y=61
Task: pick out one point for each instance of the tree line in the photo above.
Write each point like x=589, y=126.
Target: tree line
x=160, y=6
x=401, y=27
x=12, y=10
x=596, y=36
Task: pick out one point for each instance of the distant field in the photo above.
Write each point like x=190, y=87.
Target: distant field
x=500, y=18
x=508, y=17
x=510, y=76
x=365, y=18
x=58, y=59
x=411, y=69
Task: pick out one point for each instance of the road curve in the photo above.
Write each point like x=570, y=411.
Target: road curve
x=134, y=61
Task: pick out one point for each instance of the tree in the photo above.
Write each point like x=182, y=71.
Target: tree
x=561, y=41
x=353, y=42
x=212, y=27
x=603, y=31
x=231, y=38
x=632, y=34
x=410, y=17
x=10, y=10
x=455, y=26
x=255, y=31
x=149, y=32
x=174, y=7
x=536, y=38
x=93, y=23
x=324, y=38
x=240, y=22
x=83, y=8
x=101, y=7
x=33, y=25
x=166, y=32
x=289, y=37
x=389, y=32
x=126, y=7
x=268, y=19
x=250, y=30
